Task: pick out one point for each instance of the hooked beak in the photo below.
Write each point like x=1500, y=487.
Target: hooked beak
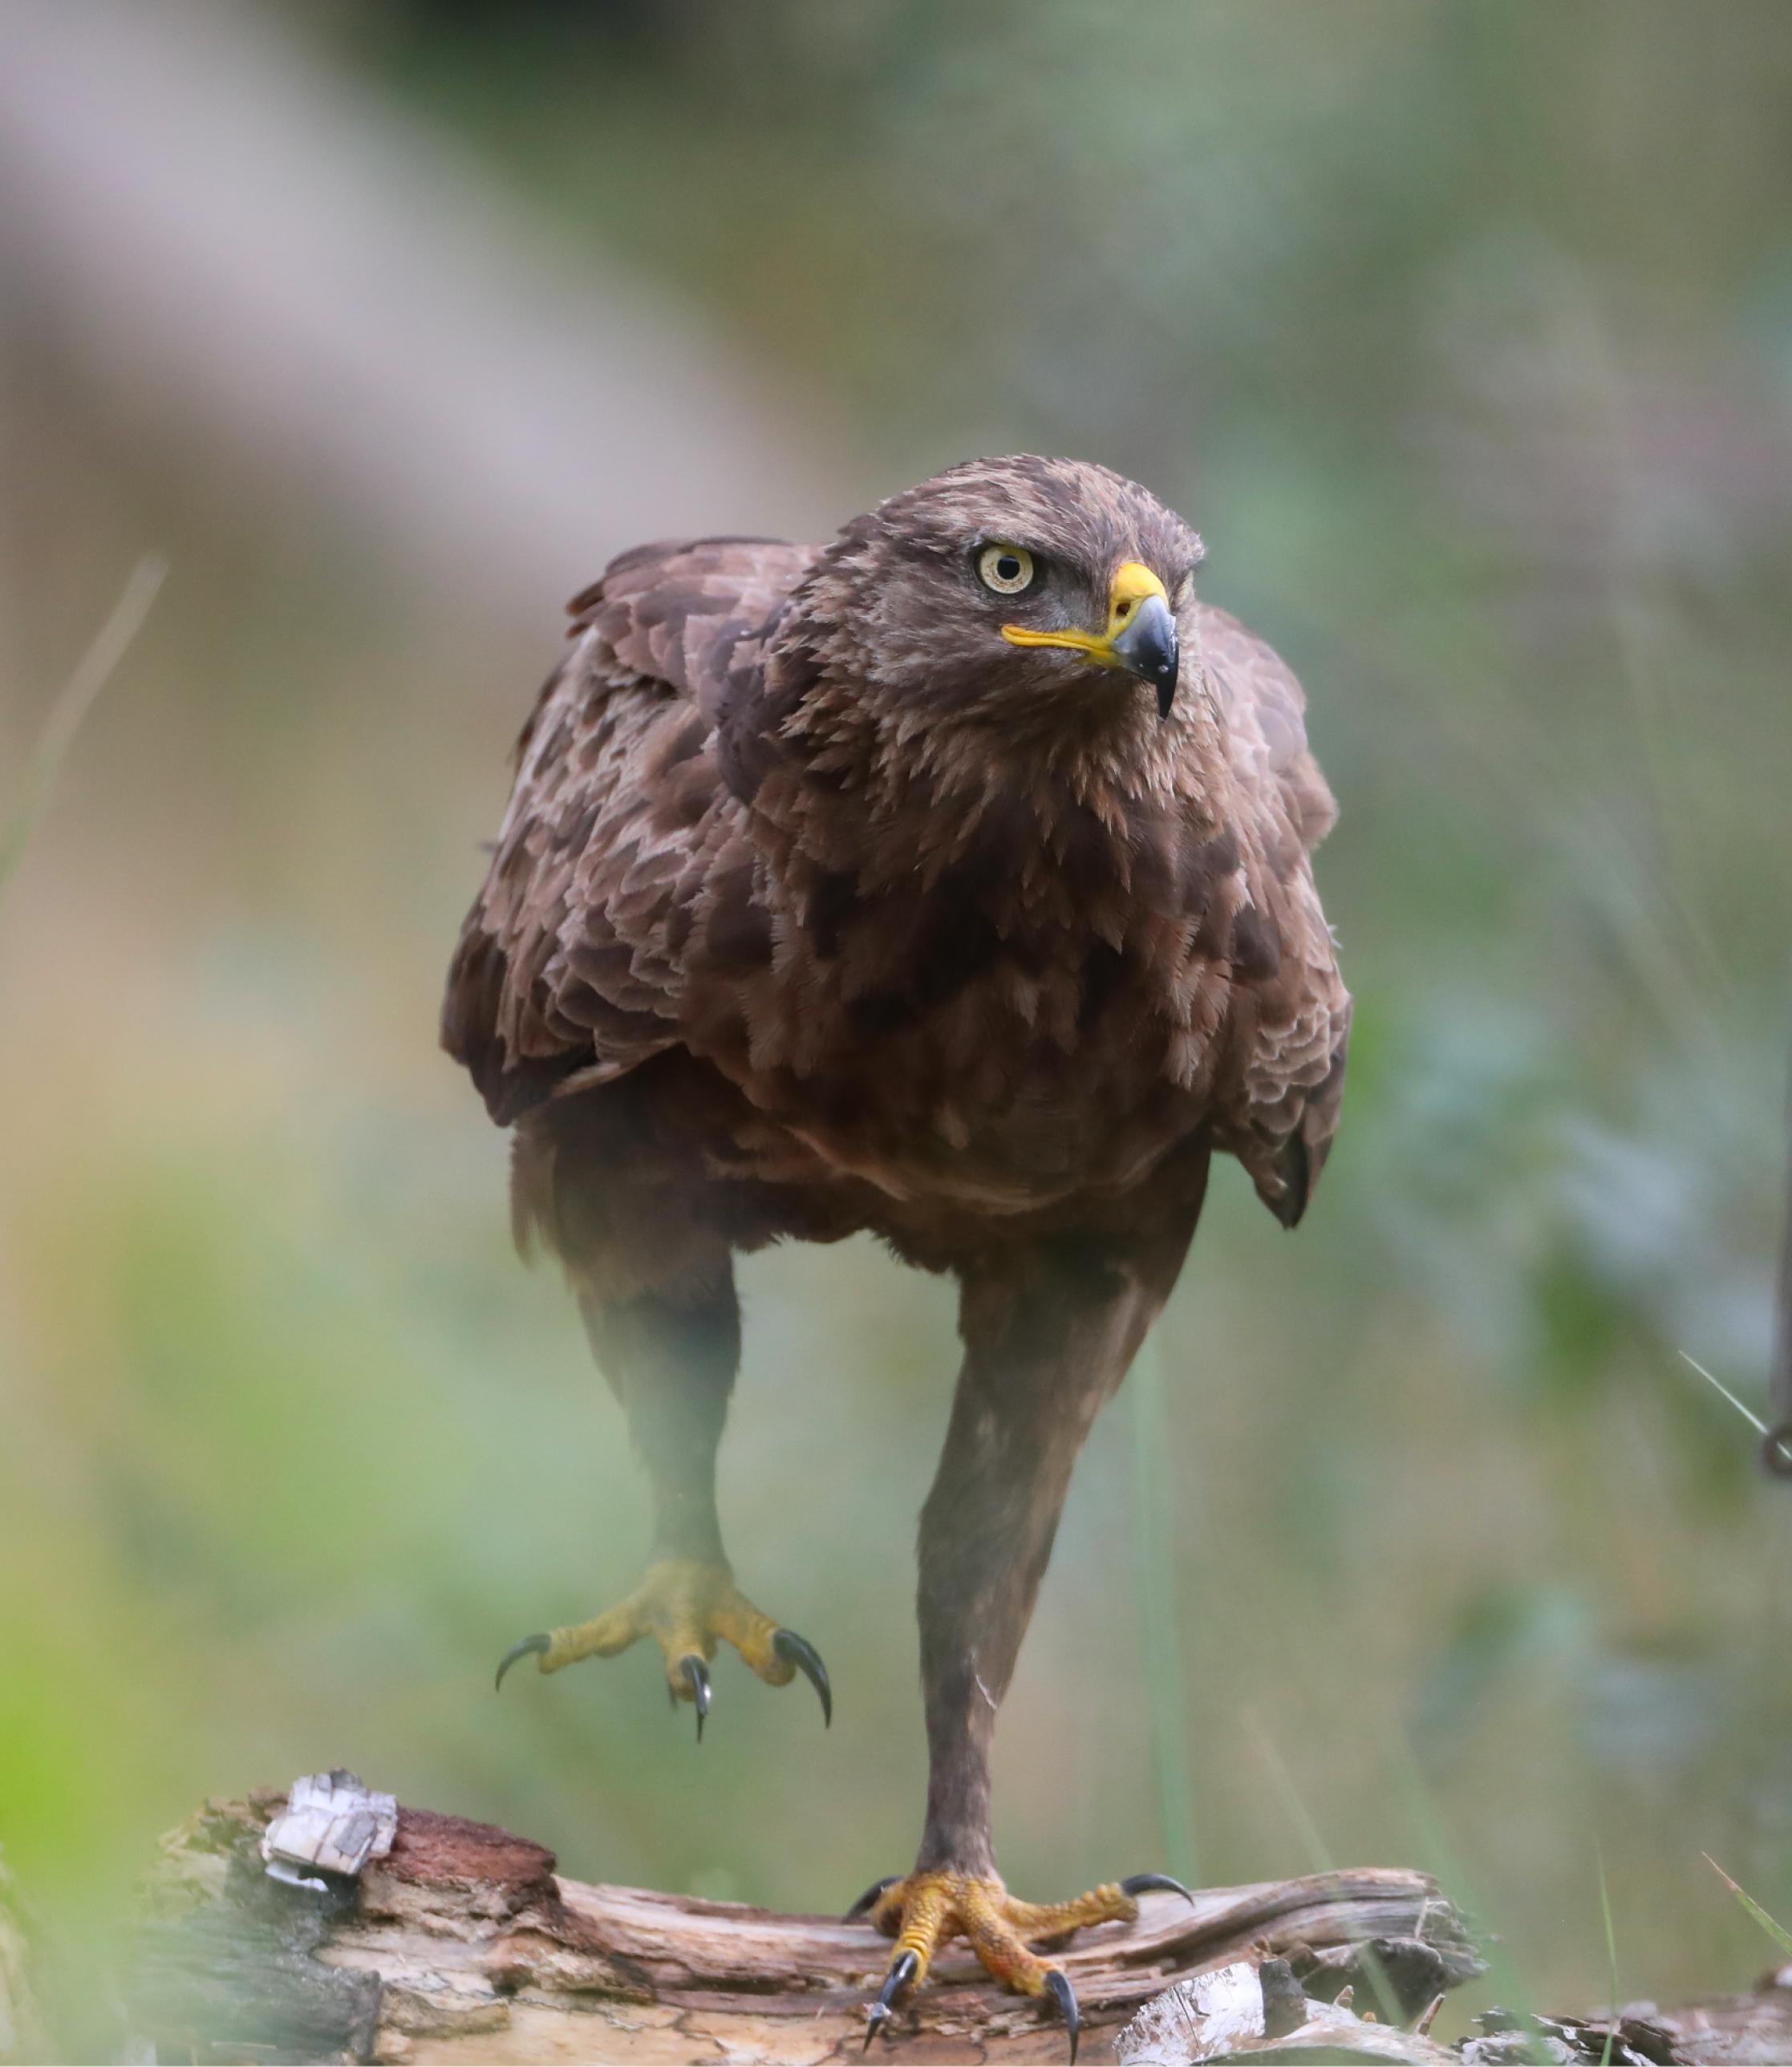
x=1140, y=637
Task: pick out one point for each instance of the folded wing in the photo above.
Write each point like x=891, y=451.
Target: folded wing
x=621, y=865
x=1293, y=1009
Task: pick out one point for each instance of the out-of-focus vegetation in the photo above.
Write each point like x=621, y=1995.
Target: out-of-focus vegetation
x=1464, y=333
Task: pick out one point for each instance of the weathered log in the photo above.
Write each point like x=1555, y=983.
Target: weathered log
x=462, y=1945
x=1261, y=2012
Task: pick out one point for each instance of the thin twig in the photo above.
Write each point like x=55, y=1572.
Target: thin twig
x=1747, y=1413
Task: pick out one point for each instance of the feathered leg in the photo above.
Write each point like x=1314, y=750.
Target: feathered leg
x=670, y=1358
x=657, y=1294
x=1049, y=1332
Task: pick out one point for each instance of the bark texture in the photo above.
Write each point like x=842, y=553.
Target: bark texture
x=463, y=1944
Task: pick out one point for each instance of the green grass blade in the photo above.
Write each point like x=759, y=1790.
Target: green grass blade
x=1166, y=1686
x=1444, y=1867
x=73, y=702
x=1388, y=2002
x=1610, y=1955
x=1781, y=1936
x=1313, y=1843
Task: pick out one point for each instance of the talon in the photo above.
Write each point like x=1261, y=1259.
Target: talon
x=804, y=1656
x=1155, y=1883
x=869, y=1900
x=696, y=1678
x=535, y=1646
x=1065, y=1995
x=687, y=1606
x=901, y=1973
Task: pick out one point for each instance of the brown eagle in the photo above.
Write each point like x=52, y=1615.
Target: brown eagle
x=952, y=880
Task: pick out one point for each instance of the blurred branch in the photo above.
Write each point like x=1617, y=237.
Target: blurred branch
x=76, y=698
x=252, y=255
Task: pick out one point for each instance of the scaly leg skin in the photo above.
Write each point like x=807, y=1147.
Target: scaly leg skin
x=687, y=1605
x=670, y=1356
x=1049, y=1332
x=926, y=1911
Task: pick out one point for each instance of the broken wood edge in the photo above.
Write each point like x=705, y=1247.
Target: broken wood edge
x=1262, y=2012
x=464, y=1944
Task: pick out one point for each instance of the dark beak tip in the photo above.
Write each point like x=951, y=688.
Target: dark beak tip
x=1149, y=646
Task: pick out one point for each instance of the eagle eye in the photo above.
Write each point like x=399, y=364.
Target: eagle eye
x=1006, y=569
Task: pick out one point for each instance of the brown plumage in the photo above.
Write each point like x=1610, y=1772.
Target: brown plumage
x=822, y=904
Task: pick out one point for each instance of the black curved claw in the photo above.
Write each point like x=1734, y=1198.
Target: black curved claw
x=901, y=1973
x=1065, y=1996
x=869, y=1900
x=1156, y=1884
x=696, y=1678
x=530, y=1646
x=804, y=1656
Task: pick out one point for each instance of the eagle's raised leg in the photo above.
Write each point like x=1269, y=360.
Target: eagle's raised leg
x=1049, y=1332
x=671, y=1356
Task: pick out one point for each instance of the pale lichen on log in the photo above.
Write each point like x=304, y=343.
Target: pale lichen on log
x=1260, y=2012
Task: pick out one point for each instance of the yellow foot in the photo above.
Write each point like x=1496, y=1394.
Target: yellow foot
x=928, y=1910
x=687, y=1606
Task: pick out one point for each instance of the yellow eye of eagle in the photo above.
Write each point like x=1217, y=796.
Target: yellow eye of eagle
x=1006, y=569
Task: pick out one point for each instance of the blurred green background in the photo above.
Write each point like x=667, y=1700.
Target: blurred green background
x=1464, y=333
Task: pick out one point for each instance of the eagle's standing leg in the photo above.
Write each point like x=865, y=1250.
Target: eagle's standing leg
x=671, y=1355
x=1049, y=1333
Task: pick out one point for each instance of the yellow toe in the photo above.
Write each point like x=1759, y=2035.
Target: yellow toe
x=928, y=1910
x=687, y=1606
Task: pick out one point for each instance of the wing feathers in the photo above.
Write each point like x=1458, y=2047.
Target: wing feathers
x=1286, y=1111
x=629, y=906
x=571, y=961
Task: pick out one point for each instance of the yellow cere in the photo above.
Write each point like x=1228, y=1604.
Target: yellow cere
x=1133, y=584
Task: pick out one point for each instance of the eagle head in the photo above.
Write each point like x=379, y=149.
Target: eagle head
x=1015, y=591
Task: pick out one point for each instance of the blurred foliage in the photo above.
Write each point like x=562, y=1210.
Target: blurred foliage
x=1464, y=332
